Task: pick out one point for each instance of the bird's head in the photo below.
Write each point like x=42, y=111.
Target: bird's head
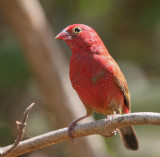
x=80, y=36
x=76, y=32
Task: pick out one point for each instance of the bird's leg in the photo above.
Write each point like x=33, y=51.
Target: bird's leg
x=73, y=124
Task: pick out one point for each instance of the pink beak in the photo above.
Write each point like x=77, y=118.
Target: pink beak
x=64, y=35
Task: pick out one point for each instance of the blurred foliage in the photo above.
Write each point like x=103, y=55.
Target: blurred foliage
x=13, y=68
x=131, y=32
x=14, y=75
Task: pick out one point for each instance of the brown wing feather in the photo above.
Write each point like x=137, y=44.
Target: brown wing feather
x=124, y=88
x=122, y=83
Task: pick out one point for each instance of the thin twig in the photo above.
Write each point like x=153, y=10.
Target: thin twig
x=21, y=128
x=103, y=127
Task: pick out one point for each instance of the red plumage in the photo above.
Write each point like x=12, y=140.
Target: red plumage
x=97, y=78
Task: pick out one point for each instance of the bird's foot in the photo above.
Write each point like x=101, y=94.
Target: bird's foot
x=73, y=124
x=114, y=132
x=109, y=118
x=71, y=130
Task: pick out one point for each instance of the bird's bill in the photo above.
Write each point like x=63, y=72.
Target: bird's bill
x=63, y=35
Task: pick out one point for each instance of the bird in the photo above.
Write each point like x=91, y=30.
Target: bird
x=97, y=79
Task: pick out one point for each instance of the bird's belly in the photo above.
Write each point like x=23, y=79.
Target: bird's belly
x=98, y=92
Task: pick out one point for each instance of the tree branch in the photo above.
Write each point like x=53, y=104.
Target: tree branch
x=21, y=128
x=103, y=127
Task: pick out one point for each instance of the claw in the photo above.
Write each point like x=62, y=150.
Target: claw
x=114, y=132
x=71, y=130
x=72, y=125
x=109, y=118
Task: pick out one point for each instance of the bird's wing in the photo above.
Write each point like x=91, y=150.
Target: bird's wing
x=122, y=83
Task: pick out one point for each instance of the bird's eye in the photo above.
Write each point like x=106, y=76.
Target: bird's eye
x=77, y=29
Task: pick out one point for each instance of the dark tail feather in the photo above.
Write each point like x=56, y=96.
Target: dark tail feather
x=129, y=137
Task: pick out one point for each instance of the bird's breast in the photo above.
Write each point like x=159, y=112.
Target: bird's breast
x=92, y=78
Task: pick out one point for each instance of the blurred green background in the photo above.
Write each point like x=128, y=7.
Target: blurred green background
x=130, y=31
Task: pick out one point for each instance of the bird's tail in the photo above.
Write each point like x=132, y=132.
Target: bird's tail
x=129, y=137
